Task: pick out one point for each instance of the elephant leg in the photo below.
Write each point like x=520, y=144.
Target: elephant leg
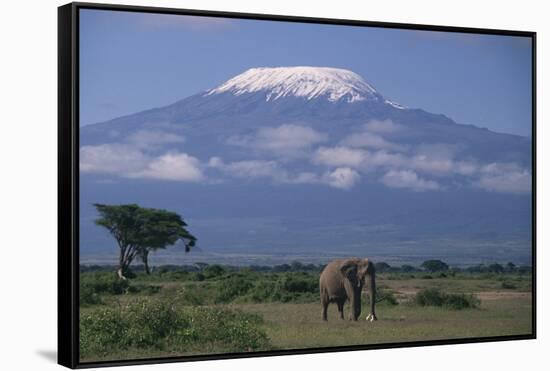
x=324, y=305
x=352, y=311
x=341, y=309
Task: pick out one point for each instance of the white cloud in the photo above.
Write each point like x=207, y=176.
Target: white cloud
x=127, y=161
x=148, y=138
x=408, y=179
x=339, y=156
x=385, y=159
x=304, y=178
x=369, y=140
x=383, y=127
x=287, y=139
x=465, y=168
x=249, y=168
x=111, y=159
x=504, y=178
x=432, y=164
x=171, y=166
x=342, y=177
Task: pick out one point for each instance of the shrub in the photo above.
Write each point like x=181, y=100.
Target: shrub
x=382, y=267
x=265, y=291
x=102, y=330
x=435, y=265
x=383, y=297
x=156, y=325
x=429, y=297
x=89, y=297
x=408, y=268
x=508, y=285
x=461, y=301
x=435, y=297
x=93, y=286
x=234, y=330
x=213, y=271
x=495, y=268
x=192, y=294
x=103, y=283
x=299, y=282
x=232, y=288
x=143, y=289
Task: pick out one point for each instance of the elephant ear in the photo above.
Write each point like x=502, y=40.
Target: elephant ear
x=349, y=270
x=370, y=267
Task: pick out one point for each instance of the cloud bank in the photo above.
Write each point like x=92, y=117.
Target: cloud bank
x=297, y=154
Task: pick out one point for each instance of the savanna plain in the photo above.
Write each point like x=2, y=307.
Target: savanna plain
x=214, y=309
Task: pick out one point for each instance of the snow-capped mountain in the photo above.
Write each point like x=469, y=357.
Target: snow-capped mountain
x=277, y=150
x=334, y=84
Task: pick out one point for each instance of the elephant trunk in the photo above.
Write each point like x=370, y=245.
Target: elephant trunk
x=357, y=304
x=372, y=292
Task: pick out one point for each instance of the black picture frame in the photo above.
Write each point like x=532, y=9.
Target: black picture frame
x=68, y=181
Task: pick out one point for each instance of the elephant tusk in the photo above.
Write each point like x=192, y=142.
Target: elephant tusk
x=371, y=318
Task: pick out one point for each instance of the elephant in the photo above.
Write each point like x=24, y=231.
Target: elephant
x=343, y=280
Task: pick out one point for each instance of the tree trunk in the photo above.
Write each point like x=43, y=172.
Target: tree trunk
x=120, y=270
x=120, y=273
x=124, y=260
x=145, y=259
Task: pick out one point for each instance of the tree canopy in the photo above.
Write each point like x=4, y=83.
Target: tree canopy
x=435, y=266
x=138, y=231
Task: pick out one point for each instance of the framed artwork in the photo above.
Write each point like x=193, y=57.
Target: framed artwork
x=238, y=185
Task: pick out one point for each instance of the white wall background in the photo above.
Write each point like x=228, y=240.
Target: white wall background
x=28, y=155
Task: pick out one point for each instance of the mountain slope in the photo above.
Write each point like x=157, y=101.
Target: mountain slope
x=253, y=148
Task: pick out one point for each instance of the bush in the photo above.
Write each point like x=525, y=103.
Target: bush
x=461, y=301
x=435, y=266
x=94, y=285
x=265, y=291
x=234, y=330
x=143, y=289
x=101, y=331
x=192, y=294
x=382, y=267
x=89, y=297
x=156, y=325
x=508, y=285
x=429, y=297
x=437, y=298
x=213, y=271
x=232, y=288
x=299, y=282
x=103, y=283
x=383, y=297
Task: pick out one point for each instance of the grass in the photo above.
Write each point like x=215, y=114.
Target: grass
x=291, y=326
x=282, y=311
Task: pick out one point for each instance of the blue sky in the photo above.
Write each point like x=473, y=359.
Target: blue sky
x=135, y=61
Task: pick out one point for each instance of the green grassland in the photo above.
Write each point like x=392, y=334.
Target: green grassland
x=219, y=311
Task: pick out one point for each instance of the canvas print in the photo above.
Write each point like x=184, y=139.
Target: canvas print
x=258, y=185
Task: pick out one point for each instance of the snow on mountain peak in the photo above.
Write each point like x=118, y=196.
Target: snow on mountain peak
x=310, y=82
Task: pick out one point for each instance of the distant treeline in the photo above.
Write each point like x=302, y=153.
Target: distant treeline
x=296, y=266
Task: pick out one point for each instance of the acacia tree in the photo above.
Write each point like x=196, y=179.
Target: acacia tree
x=162, y=229
x=138, y=231
x=435, y=266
